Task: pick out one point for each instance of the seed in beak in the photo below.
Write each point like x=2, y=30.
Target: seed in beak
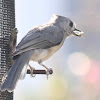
x=78, y=32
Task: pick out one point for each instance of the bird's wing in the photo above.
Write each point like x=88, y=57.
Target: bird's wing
x=40, y=38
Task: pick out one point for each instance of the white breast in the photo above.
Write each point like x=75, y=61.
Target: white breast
x=44, y=54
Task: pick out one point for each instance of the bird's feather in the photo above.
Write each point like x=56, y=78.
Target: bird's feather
x=14, y=73
x=40, y=38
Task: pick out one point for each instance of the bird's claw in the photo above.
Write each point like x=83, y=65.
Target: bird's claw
x=32, y=75
x=48, y=71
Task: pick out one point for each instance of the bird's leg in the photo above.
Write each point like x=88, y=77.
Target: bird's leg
x=47, y=69
x=32, y=68
x=44, y=66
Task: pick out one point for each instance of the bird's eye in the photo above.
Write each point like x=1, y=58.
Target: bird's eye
x=71, y=24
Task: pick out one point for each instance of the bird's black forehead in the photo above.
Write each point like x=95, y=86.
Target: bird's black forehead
x=71, y=24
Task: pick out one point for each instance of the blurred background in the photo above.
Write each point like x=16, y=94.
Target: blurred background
x=76, y=65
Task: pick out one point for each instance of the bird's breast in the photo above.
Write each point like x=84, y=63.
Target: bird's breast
x=44, y=54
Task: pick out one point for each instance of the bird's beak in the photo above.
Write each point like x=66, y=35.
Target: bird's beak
x=77, y=32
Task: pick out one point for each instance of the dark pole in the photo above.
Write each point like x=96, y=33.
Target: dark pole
x=7, y=23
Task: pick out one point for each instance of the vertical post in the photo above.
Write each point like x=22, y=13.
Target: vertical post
x=7, y=23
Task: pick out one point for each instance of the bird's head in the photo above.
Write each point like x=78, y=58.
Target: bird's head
x=67, y=26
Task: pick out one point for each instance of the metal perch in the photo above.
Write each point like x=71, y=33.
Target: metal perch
x=39, y=71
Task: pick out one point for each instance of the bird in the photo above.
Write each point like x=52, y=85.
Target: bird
x=38, y=45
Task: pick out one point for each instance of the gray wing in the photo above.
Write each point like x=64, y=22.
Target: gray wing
x=40, y=38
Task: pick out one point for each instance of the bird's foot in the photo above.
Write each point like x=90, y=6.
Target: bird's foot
x=32, y=75
x=48, y=71
x=32, y=69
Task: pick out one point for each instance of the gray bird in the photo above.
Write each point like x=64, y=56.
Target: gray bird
x=38, y=45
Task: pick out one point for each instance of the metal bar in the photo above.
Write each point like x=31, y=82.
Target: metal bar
x=39, y=71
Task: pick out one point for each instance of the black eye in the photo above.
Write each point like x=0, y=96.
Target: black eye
x=71, y=24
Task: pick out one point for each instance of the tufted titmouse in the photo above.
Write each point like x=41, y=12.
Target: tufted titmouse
x=38, y=45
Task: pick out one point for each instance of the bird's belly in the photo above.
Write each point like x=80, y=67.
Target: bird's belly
x=44, y=54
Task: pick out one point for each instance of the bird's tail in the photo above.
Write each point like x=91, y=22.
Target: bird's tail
x=14, y=73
